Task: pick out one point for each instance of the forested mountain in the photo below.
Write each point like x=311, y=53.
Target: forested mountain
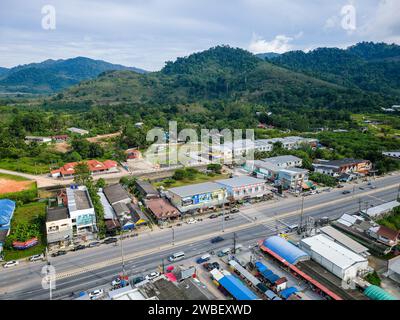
x=267, y=55
x=220, y=74
x=366, y=66
x=54, y=75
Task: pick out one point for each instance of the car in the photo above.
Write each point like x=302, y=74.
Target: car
x=138, y=280
x=203, y=258
x=362, y=188
x=110, y=240
x=36, y=257
x=235, y=210
x=214, y=216
x=217, y=239
x=340, y=186
x=191, y=221
x=94, y=244
x=96, y=294
x=211, y=266
x=59, y=253
x=11, y=264
x=116, y=282
x=228, y=218
x=224, y=252
x=346, y=192
x=80, y=247
x=152, y=276
x=373, y=187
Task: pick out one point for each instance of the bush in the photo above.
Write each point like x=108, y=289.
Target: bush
x=374, y=279
x=323, y=179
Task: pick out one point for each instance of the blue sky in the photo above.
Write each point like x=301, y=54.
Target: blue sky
x=146, y=33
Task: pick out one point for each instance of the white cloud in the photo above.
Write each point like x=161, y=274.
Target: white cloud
x=280, y=44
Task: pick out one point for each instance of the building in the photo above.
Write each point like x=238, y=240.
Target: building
x=284, y=249
x=146, y=189
x=392, y=154
x=244, y=187
x=230, y=150
x=29, y=139
x=336, y=168
x=283, y=162
x=394, y=269
x=162, y=210
x=340, y=261
x=198, y=197
x=60, y=138
x=292, y=143
x=385, y=235
x=263, y=145
x=381, y=210
x=293, y=179
x=59, y=229
x=7, y=208
x=263, y=169
x=126, y=293
x=344, y=240
x=138, y=216
x=81, y=211
x=133, y=154
x=117, y=194
x=81, y=132
x=95, y=167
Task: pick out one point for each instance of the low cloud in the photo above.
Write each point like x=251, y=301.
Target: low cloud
x=280, y=44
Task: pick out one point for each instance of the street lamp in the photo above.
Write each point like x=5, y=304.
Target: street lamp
x=173, y=236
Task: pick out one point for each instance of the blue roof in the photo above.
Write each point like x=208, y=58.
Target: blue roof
x=288, y=292
x=260, y=266
x=284, y=249
x=272, y=278
x=7, y=208
x=267, y=273
x=236, y=288
x=270, y=294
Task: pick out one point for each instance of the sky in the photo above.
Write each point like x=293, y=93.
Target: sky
x=146, y=33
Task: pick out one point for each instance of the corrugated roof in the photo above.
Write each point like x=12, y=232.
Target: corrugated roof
x=282, y=159
x=194, y=189
x=244, y=272
x=241, y=181
x=381, y=209
x=377, y=293
x=332, y=251
x=344, y=239
x=116, y=193
x=284, y=249
x=288, y=292
x=237, y=289
x=109, y=213
x=7, y=208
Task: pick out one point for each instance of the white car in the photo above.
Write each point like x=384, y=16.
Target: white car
x=10, y=264
x=96, y=294
x=116, y=282
x=152, y=276
x=36, y=257
x=191, y=221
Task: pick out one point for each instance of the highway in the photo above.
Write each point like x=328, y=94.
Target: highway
x=95, y=267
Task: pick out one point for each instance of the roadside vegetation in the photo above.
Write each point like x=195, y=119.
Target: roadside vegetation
x=392, y=221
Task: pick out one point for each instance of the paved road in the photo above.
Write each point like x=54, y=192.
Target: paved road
x=96, y=266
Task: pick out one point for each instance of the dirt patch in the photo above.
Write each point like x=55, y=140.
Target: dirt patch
x=62, y=147
x=103, y=137
x=10, y=186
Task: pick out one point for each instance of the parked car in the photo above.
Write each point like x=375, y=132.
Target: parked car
x=94, y=244
x=203, y=259
x=11, y=264
x=228, y=218
x=152, y=276
x=138, y=280
x=80, y=247
x=373, y=187
x=36, y=257
x=96, y=294
x=346, y=192
x=110, y=240
x=224, y=252
x=192, y=221
x=214, y=216
x=211, y=266
x=217, y=239
x=116, y=282
x=340, y=186
x=235, y=210
x=59, y=253
x=362, y=188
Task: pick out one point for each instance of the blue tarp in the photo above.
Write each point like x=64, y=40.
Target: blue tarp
x=236, y=288
x=288, y=292
x=266, y=273
x=284, y=249
x=273, y=278
x=7, y=208
x=261, y=267
x=270, y=294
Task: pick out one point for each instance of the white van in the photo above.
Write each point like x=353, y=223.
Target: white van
x=177, y=257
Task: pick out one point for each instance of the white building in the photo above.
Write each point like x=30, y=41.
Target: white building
x=337, y=259
x=82, y=132
x=81, y=211
x=37, y=139
x=392, y=154
x=394, y=269
x=244, y=187
x=378, y=211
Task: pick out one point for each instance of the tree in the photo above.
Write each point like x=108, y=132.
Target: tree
x=83, y=175
x=101, y=183
x=179, y=175
x=215, y=167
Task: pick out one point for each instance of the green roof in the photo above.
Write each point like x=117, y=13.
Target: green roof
x=377, y=293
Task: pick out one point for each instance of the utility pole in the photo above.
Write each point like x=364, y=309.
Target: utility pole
x=173, y=236
x=122, y=256
x=234, y=243
x=301, y=214
x=359, y=204
x=398, y=193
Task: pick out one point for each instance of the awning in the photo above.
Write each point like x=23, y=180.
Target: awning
x=288, y=292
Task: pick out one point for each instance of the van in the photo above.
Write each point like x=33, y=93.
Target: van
x=177, y=257
x=224, y=252
x=204, y=258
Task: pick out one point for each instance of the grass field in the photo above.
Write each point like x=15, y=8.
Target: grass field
x=199, y=178
x=26, y=165
x=27, y=214
x=17, y=188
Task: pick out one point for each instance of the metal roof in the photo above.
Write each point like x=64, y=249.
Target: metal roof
x=236, y=287
x=288, y=292
x=78, y=199
x=344, y=240
x=193, y=189
x=244, y=273
x=7, y=208
x=377, y=293
x=332, y=251
x=241, y=181
x=116, y=193
x=285, y=249
x=109, y=213
x=381, y=209
x=282, y=159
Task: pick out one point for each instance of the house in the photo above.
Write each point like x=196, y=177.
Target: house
x=133, y=154
x=228, y=151
x=138, y=216
x=244, y=187
x=336, y=168
x=387, y=236
x=60, y=138
x=29, y=139
x=284, y=162
x=110, y=217
x=293, y=142
x=79, y=131
x=162, y=210
x=117, y=194
x=263, y=145
x=95, y=167
x=146, y=190
x=59, y=228
x=198, y=197
x=81, y=211
x=293, y=179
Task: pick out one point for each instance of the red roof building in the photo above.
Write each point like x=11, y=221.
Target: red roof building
x=162, y=209
x=95, y=166
x=132, y=154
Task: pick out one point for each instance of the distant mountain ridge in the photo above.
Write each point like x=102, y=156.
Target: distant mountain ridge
x=267, y=55
x=51, y=76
